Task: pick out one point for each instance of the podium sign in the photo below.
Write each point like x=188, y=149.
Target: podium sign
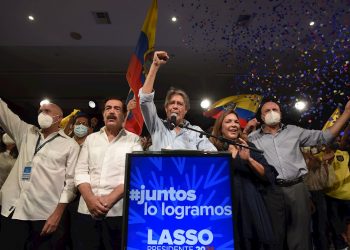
x=177, y=201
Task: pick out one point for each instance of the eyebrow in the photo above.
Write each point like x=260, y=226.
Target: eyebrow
x=172, y=101
x=231, y=119
x=41, y=110
x=110, y=106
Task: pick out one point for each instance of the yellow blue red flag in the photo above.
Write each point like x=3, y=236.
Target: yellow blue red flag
x=245, y=106
x=136, y=72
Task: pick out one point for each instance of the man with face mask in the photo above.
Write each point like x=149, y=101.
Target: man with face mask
x=78, y=128
x=81, y=127
x=289, y=202
x=39, y=186
x=166, y=133
x=99, y=176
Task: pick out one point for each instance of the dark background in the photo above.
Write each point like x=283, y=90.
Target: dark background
x=217, y=49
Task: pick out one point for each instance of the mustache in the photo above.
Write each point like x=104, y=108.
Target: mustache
x=111, y=117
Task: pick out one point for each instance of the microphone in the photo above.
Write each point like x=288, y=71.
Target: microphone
x=172, y=121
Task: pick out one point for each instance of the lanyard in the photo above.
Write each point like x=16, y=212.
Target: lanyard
x=37, y=147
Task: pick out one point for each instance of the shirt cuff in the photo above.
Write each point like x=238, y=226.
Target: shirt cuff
x=146, y=97
x=67, y=196
x=79, y=179
x=327, y=135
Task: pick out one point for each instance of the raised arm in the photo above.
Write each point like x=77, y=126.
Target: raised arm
x=341, y=121
x=159, y=58
x=344, y=138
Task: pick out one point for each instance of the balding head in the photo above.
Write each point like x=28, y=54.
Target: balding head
x=51, y=109
x=57, y=109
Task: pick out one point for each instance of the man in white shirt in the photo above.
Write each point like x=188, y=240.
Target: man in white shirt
x=39, y=186
x=99, y=176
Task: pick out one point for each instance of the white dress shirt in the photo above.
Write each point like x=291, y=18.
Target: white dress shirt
x=6, y=164
x=102, y=164
x=51, y=181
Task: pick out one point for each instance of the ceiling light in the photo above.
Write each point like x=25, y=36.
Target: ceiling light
x=174, y=19
x=44, y=102
x=31, y=18
x=205, y=104
x=92, y=104
x=300, y=105
x=312, y=23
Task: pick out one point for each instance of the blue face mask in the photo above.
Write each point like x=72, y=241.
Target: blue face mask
x=80, y=130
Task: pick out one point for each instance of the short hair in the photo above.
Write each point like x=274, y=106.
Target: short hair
x=82, y=114
x=114, y=98
x=174, y=91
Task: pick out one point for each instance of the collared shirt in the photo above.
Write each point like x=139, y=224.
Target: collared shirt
x=6, y=164
x=101, y=163
x=282, y=150
x=51, y=181
x=163, y=137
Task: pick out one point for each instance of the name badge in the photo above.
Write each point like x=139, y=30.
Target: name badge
x=27, y=171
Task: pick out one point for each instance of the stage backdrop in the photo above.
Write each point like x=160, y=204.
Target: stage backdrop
x=178, y=200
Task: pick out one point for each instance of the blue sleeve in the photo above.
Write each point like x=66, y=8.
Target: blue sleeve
x=149, y=112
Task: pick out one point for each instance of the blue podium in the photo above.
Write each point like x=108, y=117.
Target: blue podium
x=176, y=200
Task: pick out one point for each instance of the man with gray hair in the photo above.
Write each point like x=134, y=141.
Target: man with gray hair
x=168, y=134
x=289, y=201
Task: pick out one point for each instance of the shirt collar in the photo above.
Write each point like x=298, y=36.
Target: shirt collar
x=121, y=132
x=60, y=132
x=282, y=126
x=185, y=123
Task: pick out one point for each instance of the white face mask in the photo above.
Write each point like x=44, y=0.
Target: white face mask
x=44, y=120
x=7, y=140
x=80, y=130
x=272, y=118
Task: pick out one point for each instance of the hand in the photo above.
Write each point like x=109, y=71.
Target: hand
x=244, y=153
x=146, y=142
x=52, y=222
x=96, y=208
x=107, y=201
x=159, y=58
x=233, y=150
x=251, y=126
x=131, y=104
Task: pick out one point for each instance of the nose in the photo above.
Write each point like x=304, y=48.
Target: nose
x=111, y=111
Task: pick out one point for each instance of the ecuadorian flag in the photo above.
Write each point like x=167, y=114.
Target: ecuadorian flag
x=245, y=106
x=136, y=74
